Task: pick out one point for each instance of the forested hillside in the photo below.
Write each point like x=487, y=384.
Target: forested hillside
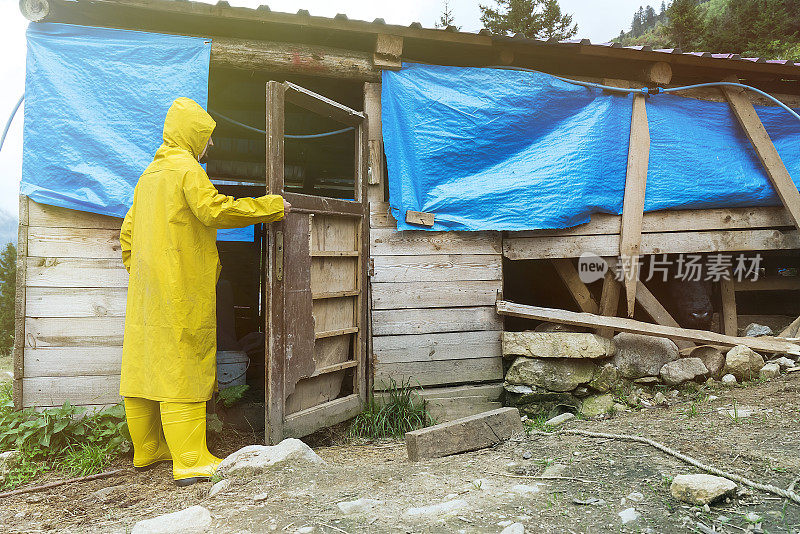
x=752, y=28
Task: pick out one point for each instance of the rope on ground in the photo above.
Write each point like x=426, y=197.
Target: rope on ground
x=786, y=493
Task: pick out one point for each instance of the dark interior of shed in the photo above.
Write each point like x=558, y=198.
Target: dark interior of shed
x=321, y=166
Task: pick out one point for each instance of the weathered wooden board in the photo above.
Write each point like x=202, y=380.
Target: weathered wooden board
x=332, y=274
x=330, y=232
x=676, y=221
x=437, y=268
x=379, y=216
x=386, y=242
x=727, y=290
x=72, y=361
x=439, y=372
x=444, y=346
x=662, y=243
x=466, y=434
x=73, y=243
x=759, y=344
x=76, y=272
x=431, y=320
x=334, y=314
x=392, y=296
x=304, y=422
x=580, y=293
x=55, y=217
x=73, y=332
x=53, y=391
x=76, y=302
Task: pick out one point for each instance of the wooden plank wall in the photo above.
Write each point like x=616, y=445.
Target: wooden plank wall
x=75, y=288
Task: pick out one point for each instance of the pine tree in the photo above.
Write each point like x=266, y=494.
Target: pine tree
x=535, y=19
x=446, y=19
x=685, y=26
x=636, y=25
x=649, y=18
x=663, y=9
x=8, y=285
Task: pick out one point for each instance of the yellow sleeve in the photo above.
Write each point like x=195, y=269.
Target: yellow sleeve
x=126, y=239
x=221, y=211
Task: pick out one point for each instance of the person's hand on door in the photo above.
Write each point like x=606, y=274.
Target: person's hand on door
x=287, y=208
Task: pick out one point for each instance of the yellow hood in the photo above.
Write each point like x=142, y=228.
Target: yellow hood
x=188, y=126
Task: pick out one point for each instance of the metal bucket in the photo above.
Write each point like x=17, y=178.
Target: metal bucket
x=232, y=368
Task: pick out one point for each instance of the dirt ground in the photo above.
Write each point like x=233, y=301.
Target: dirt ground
x=760, y=439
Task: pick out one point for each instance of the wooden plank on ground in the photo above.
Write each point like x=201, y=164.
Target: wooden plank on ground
x=776, y=171
x=462, y=435
x=439, y=372
x=762, y=344
x=387, y=242
x=580, y=293
x=76, y=272
x=445, y=346
x=437, y=268
x=432, y=320
x=727, y=290
x=657, y=243
x=633, y=200
x=392, y=296
x=72, y=361
x=304, y=422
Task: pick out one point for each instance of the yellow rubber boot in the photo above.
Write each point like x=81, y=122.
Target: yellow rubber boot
x=185, y=428
x=144, y=425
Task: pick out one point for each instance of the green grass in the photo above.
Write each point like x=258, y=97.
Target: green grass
x=65, y=439
x=537, y=423
x=401, y=411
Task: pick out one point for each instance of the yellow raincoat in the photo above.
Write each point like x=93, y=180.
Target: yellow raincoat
x=169, y=248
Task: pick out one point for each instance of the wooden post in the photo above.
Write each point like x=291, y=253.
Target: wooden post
x=633, y=202
x=659, y=73
x=580, y=293
x=372, y=107
x=20, y=304
x=275, y=401
x=748, y=119
x=730, y=324
x=609, y=301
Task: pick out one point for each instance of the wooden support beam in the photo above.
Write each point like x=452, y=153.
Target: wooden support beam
x=609, y=301
x=580, y=293
x=633, y=201
x=729, y=320
x=462, y=435
x=375, y=176
x=321, y=105
x=20, y=302
x=762, y=344
x=292, y=58
x=388, y=52
x=748, y=119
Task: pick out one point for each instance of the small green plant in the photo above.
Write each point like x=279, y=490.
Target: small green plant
x=400, y=411
x=734, y=414
x=692, y=411
x=537, y=423
x=65, y=438
x=231, y=395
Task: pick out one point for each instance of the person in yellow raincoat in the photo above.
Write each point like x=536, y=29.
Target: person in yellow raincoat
x=169, y=248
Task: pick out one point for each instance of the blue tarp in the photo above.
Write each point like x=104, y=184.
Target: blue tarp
x=95, y=103
x=491, y=149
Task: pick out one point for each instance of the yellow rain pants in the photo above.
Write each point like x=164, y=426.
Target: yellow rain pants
x=169, y=247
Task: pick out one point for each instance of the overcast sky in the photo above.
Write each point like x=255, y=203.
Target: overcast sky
x=598, y=20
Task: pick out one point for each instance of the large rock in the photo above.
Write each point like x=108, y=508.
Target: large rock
x=535, y=401
x=605, y=378
x=597, y=405
x=712, y=358
x=189, y=520
x=638, y=356
x=756, y=330
x=683, y=370
x=556, y=345
x=255, y=459
x=743, y=363
x=553, y=374
x=700, y=489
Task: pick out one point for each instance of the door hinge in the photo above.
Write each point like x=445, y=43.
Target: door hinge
x=371, y=268
x=279, y=256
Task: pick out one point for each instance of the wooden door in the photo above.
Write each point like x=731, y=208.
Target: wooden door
x=316, y=312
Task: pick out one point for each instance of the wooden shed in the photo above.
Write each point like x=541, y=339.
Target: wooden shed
x=347, y=303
